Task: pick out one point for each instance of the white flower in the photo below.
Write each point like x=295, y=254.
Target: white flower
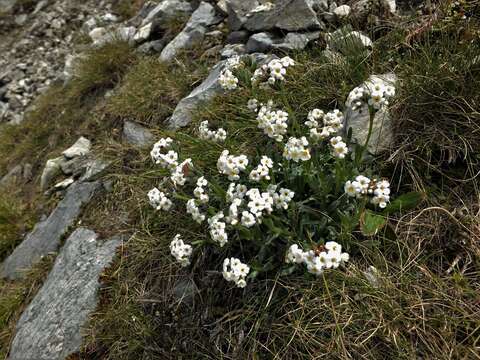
x=236, y=271
x=351, y=188
x=272, y=122
x=159, y=200
x=295, y=255
x=193, y=210
x=220, y=135
x=248, y=219
x=227, y=80
x=252, y=104
x=178, y=176
x=217, y=229
x=159, y=147
x=180, y=251
x=283, y=198
x=199, y=191
x=373, y=92
x=231, y=165
x=296, y=149
x=340, y=150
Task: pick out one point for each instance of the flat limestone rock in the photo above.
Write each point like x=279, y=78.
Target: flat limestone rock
x=182, y=115
x=46, y=235
x=50, y=327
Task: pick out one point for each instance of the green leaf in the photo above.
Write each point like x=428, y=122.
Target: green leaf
x=404, y=202
x=371, y=223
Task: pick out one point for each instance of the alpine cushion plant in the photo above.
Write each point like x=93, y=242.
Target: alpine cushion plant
x=294, y=202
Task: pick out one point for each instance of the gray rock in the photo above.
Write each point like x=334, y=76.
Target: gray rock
x=289, y=15
x=81, y=147
x=122, y=33
x=182, y=115
x=51, y=327
x=184, y=40
x=52, y=169
x=64, y=184
x=237, y=37
x=12, y=176
x=359, y=120
x=167, y=11
x=231, y=50
x=143, y=34
x=151, y=47
x=263, y=42
x=193, y=33
x=27, y=172
x=342, y=11
x=319, y=5
x=136, y=134
x=296, y=41
x=94, y=168
x=238, y=11
x=46, y=235
x=222, y=5
x=7, y=5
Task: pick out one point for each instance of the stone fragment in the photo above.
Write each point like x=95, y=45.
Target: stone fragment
x=231, y=50
x=46, y=236
x=51, y=326
x=81, y=147
x=263, y=42
x=359, y=121
x=342, y=11
x=143, y=34
x=237, y=37
x=137, y=134
x=12, y=176
x=289, y=15
x=64, y=184
x=193, y=33
x=52, y=169
x=166, y=11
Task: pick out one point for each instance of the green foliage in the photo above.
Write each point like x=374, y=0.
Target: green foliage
x=151, y=90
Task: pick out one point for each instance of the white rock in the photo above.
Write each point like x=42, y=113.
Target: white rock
x=51, y=170
x=64, y=184
x=81, y=147
x=97, y=34
x=342, y=11
x=143, y=33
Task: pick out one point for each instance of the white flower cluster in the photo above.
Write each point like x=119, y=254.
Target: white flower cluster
x=236, y=191
x=258, y=203
x=262, y=171
x=227, y=79
x=166, y=160
x=329, y=256
x=272, y=122
x=199, y=191
x=375, y=93
x=180, y=251
x=231, y=165
x=236, y=271
x=217, y=229
x=379, y=190
x=194, y=210
x=339, y=147
x=159, y=200
x=275, y=70
x=282, y=198
x=330, y=123
x=296, y=149
x=178, y=174
x=206, y=134
x=252, y=105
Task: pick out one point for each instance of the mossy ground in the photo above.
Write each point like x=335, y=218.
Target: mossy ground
x=424, y=303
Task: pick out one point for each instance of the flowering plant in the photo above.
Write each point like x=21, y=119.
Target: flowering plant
x=295, y=202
